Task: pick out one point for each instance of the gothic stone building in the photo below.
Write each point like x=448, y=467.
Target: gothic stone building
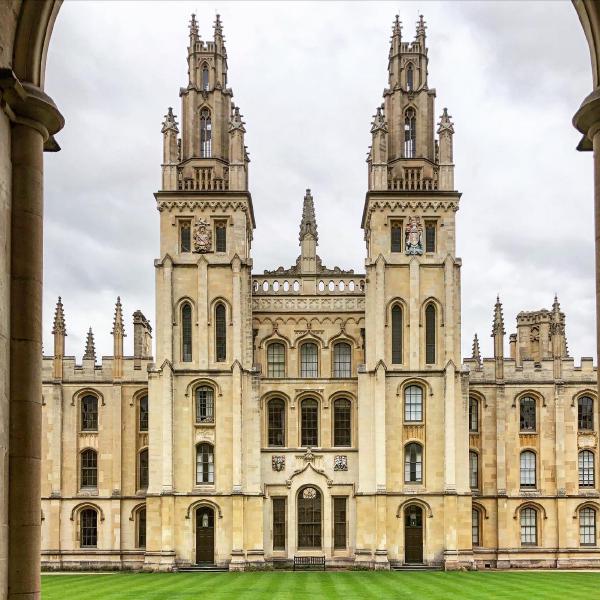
x=316, y=411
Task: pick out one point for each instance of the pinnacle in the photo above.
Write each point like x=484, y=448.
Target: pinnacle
x=498, y=326
x=476, y=352
x=59, y=326
x=309, y=221
x=193, y=26
x=218, y=26
x=118, y=327
x=421, y=26
x=397, y=27
x=90, y=348
x=170, y=123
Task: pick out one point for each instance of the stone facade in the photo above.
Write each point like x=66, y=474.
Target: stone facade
x=313, y=410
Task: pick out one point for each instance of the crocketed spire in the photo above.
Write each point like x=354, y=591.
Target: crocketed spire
x=218, y=26
x=118, y=327
x=476, y=352
x=59, y=326
x=90, y=348
x=498, y=327
x=397, y=27
x=309, y=221
x=421, y=26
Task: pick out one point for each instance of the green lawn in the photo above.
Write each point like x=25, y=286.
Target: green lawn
x=348, y=585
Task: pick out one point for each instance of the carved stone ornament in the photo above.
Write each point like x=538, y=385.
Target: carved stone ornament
x=309, y=493
x=278, y=463
x=340, y=462
x=414, y=236
x=202, y=237
x=308, y=456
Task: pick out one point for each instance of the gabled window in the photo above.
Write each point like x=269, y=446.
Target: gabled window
x=410, y=133
x=89, y=413
x=413, y=463
x=309, y=360
x=205, y=134
x=309, y=434
x=430, y=334
x=527, y=416
x=276, y=360
x=143, y=414
x=587, y=526
x=473, y=470
x=587, y=474
x=342, y=360
x=185, y=236
x=585, y=413
x=186, y=333
x=397, y=334
x=141, y=528
x=528, y=521
x=143, y=469
x=473, y=415
x=276, y=422
x=205, y=404
x=205, y=77
x=88, y=527
x=413, y=403
x=342, y=422
x=89, y=468
x=396, y=236
x=527, y=469
x=205, y=464
x=221, y=236
x=220, y=333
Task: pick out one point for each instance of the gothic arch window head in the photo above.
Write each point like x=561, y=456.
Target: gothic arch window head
x=342, y=360
x=220, y=333
x=309, y=360
x=205, y=134
x=397, y=331
x=205, y=77
x=309, y=518
x=186, y=332
x=276, y=360
x=89, y=413
x=430, y=334
x=410, y=133
x=276, y=422
x=410, y=74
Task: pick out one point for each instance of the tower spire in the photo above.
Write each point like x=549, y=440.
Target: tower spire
x=90, y=348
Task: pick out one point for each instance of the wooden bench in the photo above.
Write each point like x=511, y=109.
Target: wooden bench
x=309, y=562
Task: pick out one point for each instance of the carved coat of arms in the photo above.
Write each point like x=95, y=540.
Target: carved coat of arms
x=414, y=236
x=202, y=237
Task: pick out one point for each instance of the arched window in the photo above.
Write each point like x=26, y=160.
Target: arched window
x=342, y=422
x=89, y=413
x=527, y=416
x=220, y=333
x=205, y=404
x=309, y=360
x=473, y=415
x=276, y=360
x=473, y=470
x=397, y=330
x=475, y=527
x=205, y=464
x=430, y=334
x=186, y=332
x=141, y=528
x=309, y=518
x=205, y=77
x=586, y=469
x=585, y=413
x=309, y=435
x=527, y=469
x=143, y=415
x=89, y=468
x=276, y=422
x=342, y=360
x=143, y=469
x=88, y=526
x=528, y=521
x=205, y=134
x=413, y=463
x=410, y=77
x=410, y=133
x=587, y=526
x=413, y=403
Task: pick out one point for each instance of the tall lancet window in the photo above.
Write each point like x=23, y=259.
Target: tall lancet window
x=430, y=334
x=410, y=133
x=410, y=75
x=205, y=76
x=205, y=134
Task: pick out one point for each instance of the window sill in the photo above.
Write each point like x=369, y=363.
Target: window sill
x=205, y=424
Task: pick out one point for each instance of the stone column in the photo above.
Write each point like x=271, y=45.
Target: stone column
x=34, y=119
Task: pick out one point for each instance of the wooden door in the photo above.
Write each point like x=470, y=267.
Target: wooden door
x=413, y=535
x=205, y=535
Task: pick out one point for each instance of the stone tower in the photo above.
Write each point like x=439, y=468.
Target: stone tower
x=412, y=308
x=203, y=310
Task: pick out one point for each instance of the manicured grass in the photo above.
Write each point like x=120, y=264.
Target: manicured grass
x=347, y=585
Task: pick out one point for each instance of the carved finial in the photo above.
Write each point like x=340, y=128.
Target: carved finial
x=218, y=26
x=309, y=221
x=90, y=348
x=498, y=328
x=169, y=123
x=476, y=353
x=556, y=305
x=397, y=27
x=193, y=26
x=445, y=123
x=235, y=122
x=421, y=26
x=59, y=326
x=118, y=327
x=379, y=122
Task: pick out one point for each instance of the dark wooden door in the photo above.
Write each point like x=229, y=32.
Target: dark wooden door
x=205, y=535
x=413, y=535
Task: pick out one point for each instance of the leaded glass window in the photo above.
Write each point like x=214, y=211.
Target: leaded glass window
x=430, y=334
x=310, y=423
x=205, y=77
x=205, y=464
x=586, y=469
x=475, y=532
x=309, y=360
x=339, y=522
x=409, y=77
x=89, y=413
x=587, y=526
x=309, y=518
x=527, y=469
x=342, y=360
x=279, y=526
x=144, y=413
x=429, y=236
x=410, y=133
x=89, y=468
x=473, y=415
x=527, y=414
x=185, y=236
x=413, y=403
x=413, y=463
x=473, y=470
x=205, y=134
x=528, y=520
x=397, y=331
x=396, y=236
x=143, y=469
x=89, y=528
x=141, y=528
x=276, y=426
x=221, y=236
x=220, y=333
x=205, y=404
x=186, y=332
x=585, y=413
x=342, y=422
x=276, y=360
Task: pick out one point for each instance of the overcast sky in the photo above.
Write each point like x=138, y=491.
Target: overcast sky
x=308, y=77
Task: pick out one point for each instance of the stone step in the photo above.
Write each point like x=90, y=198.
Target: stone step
x=203, y=569
x=415, y=567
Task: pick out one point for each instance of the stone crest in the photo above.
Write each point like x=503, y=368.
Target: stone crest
x=278, y=463
x=340, y=462
x=202, y=237
x=413, y=236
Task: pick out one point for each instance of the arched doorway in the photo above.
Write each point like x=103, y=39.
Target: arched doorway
x=205, y=535
x=413, y=534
